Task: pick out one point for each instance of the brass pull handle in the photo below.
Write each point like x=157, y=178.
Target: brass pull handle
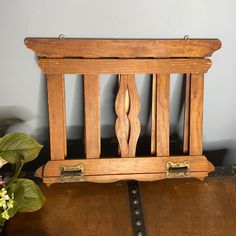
x=177, y=169
x=72, y=173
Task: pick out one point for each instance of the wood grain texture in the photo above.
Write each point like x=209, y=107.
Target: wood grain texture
x=200, y=175
x=124, y=166
x=57, y=117
x=127, y=106
x=154, y=114
x=77, y=209
x=52, y=47
x=124, y=66
x=186, y=114
x=163, y=115
x=196, y=114
x=122, y=121
x=127, y=102
x=92, y=116
x=134, y=110
x=184, y=207
x=127, y=125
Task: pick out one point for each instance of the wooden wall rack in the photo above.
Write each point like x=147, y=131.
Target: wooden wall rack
x=160, y=58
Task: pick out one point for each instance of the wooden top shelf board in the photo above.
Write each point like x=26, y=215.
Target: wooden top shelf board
x=122, y=48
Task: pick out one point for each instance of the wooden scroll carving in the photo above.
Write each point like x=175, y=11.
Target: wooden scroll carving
x=127, y=124
x=160, y=58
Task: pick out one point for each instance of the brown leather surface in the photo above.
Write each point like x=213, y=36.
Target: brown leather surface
x=82, y=209
x=190, y=207
x=171, y=207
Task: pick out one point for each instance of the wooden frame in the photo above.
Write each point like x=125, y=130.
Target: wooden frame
x=126, y=58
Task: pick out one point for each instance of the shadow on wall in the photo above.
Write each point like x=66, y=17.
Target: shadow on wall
x=20, y=119
x=42, y=127
x=41, y=132
x=221, y=153
x=17, y=119
x=14, y=118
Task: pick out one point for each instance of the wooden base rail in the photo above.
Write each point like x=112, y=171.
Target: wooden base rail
x=115, y=169
x=126, y=58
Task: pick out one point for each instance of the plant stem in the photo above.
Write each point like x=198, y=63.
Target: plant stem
x=14, y=177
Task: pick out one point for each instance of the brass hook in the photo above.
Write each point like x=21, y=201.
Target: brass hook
x=61, y=36
x=186, y=37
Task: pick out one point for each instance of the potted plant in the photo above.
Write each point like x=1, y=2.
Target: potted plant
x=18, y=194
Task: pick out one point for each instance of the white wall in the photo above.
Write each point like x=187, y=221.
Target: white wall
x=22, y=86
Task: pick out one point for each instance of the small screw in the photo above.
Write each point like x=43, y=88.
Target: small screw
x=62, y=36
x=186, y=37
x=137, y=212
x=139, y=233
x=138, y=222
x=135, y=201
x=134, y=191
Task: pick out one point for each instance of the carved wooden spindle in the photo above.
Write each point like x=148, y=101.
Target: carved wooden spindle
x=127, y=104
x=122, y=122
x=134, y=110
x=127, y=124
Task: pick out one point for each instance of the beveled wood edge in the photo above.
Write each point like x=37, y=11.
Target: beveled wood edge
x=39, y=172
x=136, y=177
x=126, y=48
x=124, y=66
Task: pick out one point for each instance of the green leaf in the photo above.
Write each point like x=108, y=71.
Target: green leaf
x=18, y=192
x=19, y=147
x=27, y=196
x=33, y=198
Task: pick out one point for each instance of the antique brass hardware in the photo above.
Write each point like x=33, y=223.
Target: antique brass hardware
x=72, y=173
x=178, y=169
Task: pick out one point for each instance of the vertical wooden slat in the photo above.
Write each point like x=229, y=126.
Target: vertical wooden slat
x=122, y=121
x=127, y=106
x=57, y=117
x=118, y=80
x=196, y=113
x=163, y=115
x=92, y=116
x=154, y=114
x=186, y=114
x=134, y=110
x=127, y=102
